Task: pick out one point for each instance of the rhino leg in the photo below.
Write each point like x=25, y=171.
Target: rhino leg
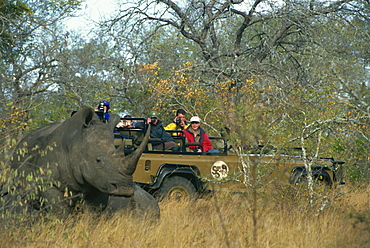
x=145, y=203
x=117, y=203
x=141, y=204
x=96, y=200
x=55, y=201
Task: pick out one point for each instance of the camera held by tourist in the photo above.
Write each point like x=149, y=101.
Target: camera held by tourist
x=179, y=122
x=165, y=141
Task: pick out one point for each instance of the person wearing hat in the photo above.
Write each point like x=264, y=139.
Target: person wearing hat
x=195, y=134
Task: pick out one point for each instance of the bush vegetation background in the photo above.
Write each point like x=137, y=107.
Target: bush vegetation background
x=286, y=74
x=270, y=75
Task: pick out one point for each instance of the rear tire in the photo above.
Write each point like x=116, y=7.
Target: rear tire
x=176, y=188
x=300, y=179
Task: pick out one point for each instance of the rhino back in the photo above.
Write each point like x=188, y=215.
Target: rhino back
x=29, y=149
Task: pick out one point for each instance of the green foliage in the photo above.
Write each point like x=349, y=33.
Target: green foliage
x=14, y=9
x=30, y=49
x=30, y=193
x=9, y=11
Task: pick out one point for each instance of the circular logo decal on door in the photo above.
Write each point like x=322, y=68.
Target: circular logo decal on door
x=219, y=170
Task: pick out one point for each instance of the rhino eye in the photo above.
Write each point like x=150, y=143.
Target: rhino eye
x=98, y=160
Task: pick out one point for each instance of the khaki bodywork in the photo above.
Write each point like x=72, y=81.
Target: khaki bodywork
x=222, y=171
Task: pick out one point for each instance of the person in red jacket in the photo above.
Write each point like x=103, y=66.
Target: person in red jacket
x=195, y=134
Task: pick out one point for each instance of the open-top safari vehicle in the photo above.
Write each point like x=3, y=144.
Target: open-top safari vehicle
x=180, y=174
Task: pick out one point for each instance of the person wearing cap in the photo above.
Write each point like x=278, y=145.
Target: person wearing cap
x=103, y=107
x=195, y=134
x=165, y=141
x=179, y=122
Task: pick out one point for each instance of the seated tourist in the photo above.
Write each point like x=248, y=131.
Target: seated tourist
x=195, y=134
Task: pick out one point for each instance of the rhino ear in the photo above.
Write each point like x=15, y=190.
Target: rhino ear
x=113, y=120
x=86, y=114
x=89, y=116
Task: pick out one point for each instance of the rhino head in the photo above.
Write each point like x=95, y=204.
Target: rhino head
x=94, y=162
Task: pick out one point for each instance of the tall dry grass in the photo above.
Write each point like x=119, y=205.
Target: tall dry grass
x=283, y=218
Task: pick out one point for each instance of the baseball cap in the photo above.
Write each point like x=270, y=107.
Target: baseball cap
x=194, y=119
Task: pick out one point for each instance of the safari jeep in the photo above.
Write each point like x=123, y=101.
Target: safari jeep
x=185, y=174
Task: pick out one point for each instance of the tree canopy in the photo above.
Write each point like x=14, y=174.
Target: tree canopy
x=268, y=72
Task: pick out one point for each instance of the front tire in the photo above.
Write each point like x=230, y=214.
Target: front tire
x=176, y=188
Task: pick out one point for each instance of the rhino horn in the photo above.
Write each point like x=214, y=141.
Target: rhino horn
x=129, y=162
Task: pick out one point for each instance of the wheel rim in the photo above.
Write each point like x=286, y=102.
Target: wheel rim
x=178, y=194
